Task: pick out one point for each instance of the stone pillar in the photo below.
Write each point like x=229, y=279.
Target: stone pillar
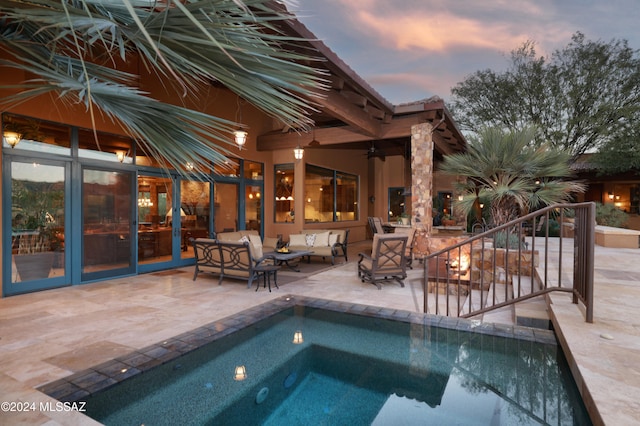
x=422, y=184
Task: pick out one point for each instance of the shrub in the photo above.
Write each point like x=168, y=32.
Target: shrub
x=500, y=240
x=610, y=215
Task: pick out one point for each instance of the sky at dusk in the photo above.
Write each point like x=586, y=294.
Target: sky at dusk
x=409, y=50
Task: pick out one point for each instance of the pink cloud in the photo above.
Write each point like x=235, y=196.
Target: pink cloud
x=497, y=25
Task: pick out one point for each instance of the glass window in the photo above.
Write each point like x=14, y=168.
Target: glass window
x=37, y=213
x=253, y=207
x=396, y=204
x=35, y=135
x=330, y=195
x=106, y=207
x=194, y=213
x=253, y=170
x=226, y=207
x=104, y=146
x=284, y=175
x=346, y=201
x=230, y=169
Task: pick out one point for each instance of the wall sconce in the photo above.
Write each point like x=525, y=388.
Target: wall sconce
x=12, y=138
x=297, y=337
x=460, y=197
x=298, y=152
x=617, y=197
x=482, y=205
x=611, y=195
x=240, y=373
x=240, y=138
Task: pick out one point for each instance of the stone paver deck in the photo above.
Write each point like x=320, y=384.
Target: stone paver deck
x=49, y=335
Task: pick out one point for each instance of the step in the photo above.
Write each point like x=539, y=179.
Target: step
x=532, y=312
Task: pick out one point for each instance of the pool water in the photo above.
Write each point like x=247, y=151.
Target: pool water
x=351, y=369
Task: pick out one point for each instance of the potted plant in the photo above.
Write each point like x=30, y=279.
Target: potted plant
x=447, y=220
x=404, y=218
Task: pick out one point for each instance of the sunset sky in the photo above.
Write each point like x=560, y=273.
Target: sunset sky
x=409, y=50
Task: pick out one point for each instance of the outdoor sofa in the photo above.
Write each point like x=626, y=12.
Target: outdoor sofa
x=322, y=242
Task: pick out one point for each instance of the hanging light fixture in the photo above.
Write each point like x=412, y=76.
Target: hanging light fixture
x=298, y=152
x=240, y=137
x=120, y=155
x=12, y=138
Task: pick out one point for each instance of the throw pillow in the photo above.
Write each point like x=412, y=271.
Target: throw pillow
x=310, y=240
x=256, y=246
x=244, y=239
x=270, y=242
x=297, y=240
x=321, y=240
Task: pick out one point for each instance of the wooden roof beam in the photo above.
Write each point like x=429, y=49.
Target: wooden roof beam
x=339, y=107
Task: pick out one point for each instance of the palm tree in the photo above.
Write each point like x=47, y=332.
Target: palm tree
x=72, y=47
x=504, y=170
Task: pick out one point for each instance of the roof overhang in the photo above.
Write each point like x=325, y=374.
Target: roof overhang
x=352, y=115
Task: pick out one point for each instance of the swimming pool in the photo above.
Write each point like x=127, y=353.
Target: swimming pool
x=350, y=364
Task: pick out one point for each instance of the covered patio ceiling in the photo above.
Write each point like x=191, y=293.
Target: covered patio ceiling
x=352, y=115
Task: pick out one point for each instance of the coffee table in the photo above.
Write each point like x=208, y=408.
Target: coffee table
x=285, y=258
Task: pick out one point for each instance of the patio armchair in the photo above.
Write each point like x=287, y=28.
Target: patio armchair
x=410, y=233
x=387, y=261
x=377, y=226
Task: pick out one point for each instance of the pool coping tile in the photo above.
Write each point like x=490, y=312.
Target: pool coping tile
x=84, y=383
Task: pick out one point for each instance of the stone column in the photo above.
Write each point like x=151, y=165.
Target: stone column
x=422, y=184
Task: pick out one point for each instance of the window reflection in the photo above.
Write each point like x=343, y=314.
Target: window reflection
x=106, y=205
x=284, y=180
x=330, y=195
x=104, y=146
x=37, y=135
x=37, y=213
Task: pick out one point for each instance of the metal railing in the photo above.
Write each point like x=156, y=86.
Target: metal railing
x=511, y=263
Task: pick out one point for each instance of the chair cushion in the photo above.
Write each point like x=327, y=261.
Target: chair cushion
x=321, y=239
x=229, y=236
x=333, y=238
x=256, y=246
x=270, y=243
x=297, y=240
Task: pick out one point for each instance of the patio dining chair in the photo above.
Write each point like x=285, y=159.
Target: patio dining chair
x=387, y=261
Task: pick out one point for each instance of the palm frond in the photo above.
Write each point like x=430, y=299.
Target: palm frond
x=187, y=45
x=504, y=169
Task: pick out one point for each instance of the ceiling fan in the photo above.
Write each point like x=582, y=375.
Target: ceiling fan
x=374, y=152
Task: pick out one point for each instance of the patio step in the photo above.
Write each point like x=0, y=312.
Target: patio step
x=531, y=312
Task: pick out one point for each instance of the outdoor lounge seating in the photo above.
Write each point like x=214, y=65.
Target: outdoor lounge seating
x=324, y=243
x=377, y=226
x=228, y=259
x=410, y=233
x=268, y=244
x=387, y=260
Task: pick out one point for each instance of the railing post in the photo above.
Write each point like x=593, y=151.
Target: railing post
x=590, y=245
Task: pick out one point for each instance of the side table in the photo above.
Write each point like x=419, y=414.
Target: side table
x=266, y=271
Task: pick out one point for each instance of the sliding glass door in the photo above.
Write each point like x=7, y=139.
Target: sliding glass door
x=38, y=228
x=107, y=232
x=171, y=210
